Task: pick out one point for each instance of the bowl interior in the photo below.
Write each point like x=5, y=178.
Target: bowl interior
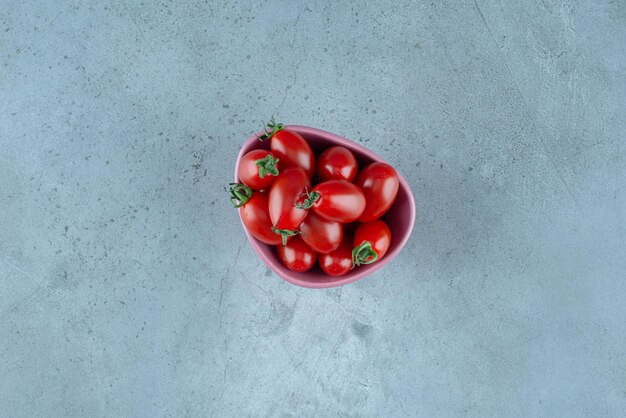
x=400, y=217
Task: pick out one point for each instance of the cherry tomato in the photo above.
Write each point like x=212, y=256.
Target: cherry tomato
x=336, y=200
x=321, y=234
x=371, y=242
x=255, y=216
x=296, y=255
x=338, y=262
x=257, y=169
x=337, y=163
x=286, y=191
x=289, y=147
x=379, y=182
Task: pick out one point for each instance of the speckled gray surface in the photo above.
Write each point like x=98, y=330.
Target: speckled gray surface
x=127, y=287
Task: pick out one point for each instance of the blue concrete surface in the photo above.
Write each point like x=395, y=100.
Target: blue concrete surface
x=127, y=287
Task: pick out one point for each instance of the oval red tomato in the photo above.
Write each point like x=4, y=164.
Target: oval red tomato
x=257, y=169
x=379, y=183
x=321, y=234
x=289, y=147
x=287, y=189
x=336, y=200
x=371, y=242
x=256, y=218
x=293, y=151
x=337, y=163
x=296, y=255
x=339, y=261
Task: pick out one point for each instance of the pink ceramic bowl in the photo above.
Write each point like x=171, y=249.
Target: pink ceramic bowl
x=400, y=217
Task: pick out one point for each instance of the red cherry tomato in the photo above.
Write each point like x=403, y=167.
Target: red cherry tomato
x=336, y=200
x=296, y=255
x=289, y=147
x=286, y=191
x=256, y=219
x=257, y=169
x=337, y=163
x=371, y=242
x=293, y=151
x=379, y=182
x=338, y=262
x=321, y=234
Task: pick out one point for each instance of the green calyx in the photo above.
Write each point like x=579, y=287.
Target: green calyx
x=363, y=254
x=307, y=203
x=284, y=233
x=270, y=129
x=267, y=166
x=239, y=194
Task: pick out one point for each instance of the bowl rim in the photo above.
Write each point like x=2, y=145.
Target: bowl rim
x=283, y=272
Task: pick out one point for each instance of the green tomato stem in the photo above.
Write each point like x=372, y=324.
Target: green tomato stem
x=239, y=194
x=284, y=233
x=361, y=254
x=270, y=129
x=267, y=166
x=311, y=198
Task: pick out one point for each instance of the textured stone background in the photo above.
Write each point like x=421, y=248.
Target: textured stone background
x=127, y=287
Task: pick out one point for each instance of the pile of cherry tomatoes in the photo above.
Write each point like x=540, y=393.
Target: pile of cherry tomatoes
x=335, y=222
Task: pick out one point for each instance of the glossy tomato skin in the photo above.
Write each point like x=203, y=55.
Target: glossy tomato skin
x=337, y=163
x=379, y=183
x=339, y=261
x=292, y=151
x=287, y=189
x=256, y=219
x=339, y=201
x=296, y=255
x=321, y=234
x=248, y=171
x=377, y=233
